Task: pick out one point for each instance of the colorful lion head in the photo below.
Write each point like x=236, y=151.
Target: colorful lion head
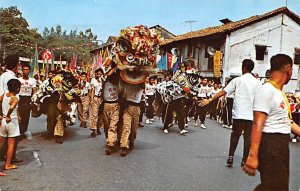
x=135, y=53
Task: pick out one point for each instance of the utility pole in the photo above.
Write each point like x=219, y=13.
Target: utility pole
x=190, y=22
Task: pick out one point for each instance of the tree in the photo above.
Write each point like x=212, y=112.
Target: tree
x=46, y=32
x=58, y=30
x=15, y=34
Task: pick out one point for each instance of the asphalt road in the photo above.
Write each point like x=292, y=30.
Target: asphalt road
x=160, y=162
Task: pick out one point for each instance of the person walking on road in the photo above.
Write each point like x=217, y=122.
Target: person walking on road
x=272, y=125
x=245, y=88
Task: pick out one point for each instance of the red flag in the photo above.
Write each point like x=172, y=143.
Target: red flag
x=169, y=60
x=74, y=61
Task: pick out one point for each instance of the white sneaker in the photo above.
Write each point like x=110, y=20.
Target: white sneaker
x=166, y=131
x=230, y=127
x=183, y=131
x=196, y=124
x=152, y=119
x=186, y=125
x=225, y=126
x=170, y=125
x=147, y=121
x=188, y=119
x=294, y=140
x=203, y=126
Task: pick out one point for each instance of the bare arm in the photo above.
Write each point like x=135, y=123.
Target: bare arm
x=207, y=101
x=251, y=164
x=295, y=129
x=12, y=105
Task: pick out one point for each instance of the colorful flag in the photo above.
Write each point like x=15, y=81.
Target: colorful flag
x=60, y=62
x=52, y=60
x=176, y=65
x=162, y=63
x=99, y=60
x=82, y=65
x=169, y=60
x=74, y=62
x=35, y=62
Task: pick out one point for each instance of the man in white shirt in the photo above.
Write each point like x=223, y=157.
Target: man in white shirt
x=28, y=88
x=269, y=152
x=11, y=62
x=85, y=97
x=97, y=99
x=150, y=93
x=204, y=92
x=244, y=89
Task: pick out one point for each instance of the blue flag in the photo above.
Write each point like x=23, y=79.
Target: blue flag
x=162, y=63
x=176, y=65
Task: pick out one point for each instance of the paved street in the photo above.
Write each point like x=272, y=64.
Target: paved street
x=163, y=162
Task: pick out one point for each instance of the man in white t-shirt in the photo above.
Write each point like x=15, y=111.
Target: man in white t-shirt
x=85, y=97
x=97, y=98
x=269, y=152
x=150, y=89
x=28, y=88
x=244, y=89
x=11, y=62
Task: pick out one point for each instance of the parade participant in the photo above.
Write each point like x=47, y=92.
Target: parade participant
x=10, y=126
x=111, y=110
x=130, y=121
x=213, y=111
x=204, y=92
x=150, y=93
x=11, y=62
x=28, y=88
x=269, y=152
x=38, y=82
x=96, y=96
x=245, y=88
x=85, y=97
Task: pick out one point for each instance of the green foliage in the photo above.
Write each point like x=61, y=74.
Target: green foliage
x=13, y=32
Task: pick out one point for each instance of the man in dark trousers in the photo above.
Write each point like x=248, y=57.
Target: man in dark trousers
x=272, y=125
x=245, y=88
x=28, y=88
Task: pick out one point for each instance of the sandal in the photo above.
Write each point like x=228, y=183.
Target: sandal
x=11, y=167
x=2, y=174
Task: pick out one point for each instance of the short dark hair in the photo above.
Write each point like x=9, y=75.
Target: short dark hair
x=83, y=73
x=99, y=70
x=51, y=71
x=279, y=61
x=248, y=64
x=11, y=61
x=26, y=65
x=13, y=85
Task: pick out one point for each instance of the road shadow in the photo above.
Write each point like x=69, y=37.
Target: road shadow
x=139, y=145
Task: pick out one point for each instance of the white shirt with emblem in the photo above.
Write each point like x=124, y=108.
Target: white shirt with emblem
x=97, y=86
x=244, y=89
x=84, y=87
x=204, y=91
x=136, y=97
x=110, y=92
x=27, y=86
x=271, y=101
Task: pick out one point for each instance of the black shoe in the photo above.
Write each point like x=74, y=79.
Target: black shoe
x=59, y=140
x=98, y=132
x=123, y=152
x=84, y=125
x=242, y=163
x=81, y=125
x=109, y=151
x=93, y=134
x=131, y=145
x=230, y=161
x=141, y=125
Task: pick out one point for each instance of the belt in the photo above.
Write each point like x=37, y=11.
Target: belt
x=97, y=96
x=133, y=103
x=111, y=101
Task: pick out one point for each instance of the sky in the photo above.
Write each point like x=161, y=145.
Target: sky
x=107, y=17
